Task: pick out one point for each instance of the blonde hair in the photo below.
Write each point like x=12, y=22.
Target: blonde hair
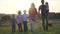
x=32, y=5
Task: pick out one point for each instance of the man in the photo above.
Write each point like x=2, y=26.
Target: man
x=44, y=13
x=42, y=8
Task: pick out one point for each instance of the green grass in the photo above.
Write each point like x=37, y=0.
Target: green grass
x=37, y=30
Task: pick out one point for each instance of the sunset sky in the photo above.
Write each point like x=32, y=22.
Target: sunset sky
x=12, y=6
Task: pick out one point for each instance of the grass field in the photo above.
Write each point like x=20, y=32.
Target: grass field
x=55, y=29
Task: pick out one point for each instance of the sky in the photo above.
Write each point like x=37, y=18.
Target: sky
x=12, y=6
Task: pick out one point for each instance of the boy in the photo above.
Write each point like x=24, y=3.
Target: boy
x=13, y=20
x=19, y=21
x=25, y=17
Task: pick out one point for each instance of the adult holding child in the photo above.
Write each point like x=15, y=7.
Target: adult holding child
x=44, y=8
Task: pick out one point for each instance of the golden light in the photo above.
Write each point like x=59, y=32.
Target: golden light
x=12, y=6
x=23, y=5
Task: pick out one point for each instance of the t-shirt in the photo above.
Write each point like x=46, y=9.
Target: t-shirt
x=13, y=21
x=46, y=7
x=25, y=17
x=19, y=19
x=32, y=12
x=42, y=8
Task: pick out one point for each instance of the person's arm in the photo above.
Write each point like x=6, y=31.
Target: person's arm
x=29, y=14
x=22, y=18
x=11, y=20
x=16, y=19
x=36, y=13
x=39, y=9
x=28, y=17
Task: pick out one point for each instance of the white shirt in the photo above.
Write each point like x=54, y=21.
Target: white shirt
x=47, y=7
x=25, y=17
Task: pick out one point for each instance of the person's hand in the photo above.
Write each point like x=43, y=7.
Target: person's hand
x=38, y=12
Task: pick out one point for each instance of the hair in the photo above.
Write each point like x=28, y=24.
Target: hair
x=46, y=3
x=32, y=5
x=24, y=11
x=19, y=12
x=42, y=1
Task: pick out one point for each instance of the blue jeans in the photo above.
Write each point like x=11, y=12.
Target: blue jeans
x=13, y=28
x=25, y=26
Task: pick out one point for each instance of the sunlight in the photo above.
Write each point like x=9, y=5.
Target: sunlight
x=23, y=5
x=12, y=6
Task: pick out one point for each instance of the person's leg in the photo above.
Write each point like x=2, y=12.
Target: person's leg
x=24, y=25
x=12, y=28
x=47, y=21
x=43, y=22
x=21, y=27
x=32, y=25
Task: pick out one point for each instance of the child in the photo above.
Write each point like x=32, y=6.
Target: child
x=25, y=17
x=47, y=7
x=19, y=21
x=13, y=20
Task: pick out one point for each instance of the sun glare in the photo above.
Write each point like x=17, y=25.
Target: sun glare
x=23, y=5
x=12, y=6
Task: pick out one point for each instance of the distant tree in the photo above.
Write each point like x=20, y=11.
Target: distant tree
x=54, y=15
x=0, y=21
x=5, y=18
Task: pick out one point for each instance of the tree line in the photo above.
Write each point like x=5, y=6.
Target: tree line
x=52, y=16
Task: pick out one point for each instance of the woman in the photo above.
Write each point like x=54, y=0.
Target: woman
x=32, y=15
